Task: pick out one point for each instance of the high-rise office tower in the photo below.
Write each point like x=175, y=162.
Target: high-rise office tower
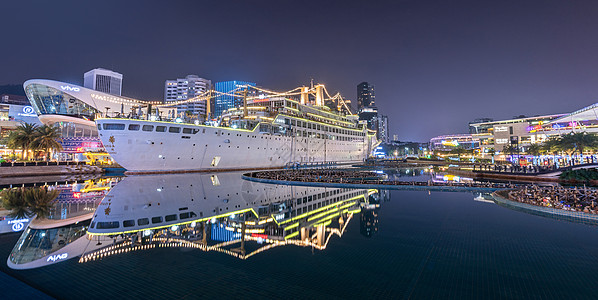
x=224, y=102
x=187, y=88
x=103, y=80
x=382, y=133
x=366, y=96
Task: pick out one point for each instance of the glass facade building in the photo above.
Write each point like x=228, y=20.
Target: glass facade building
x=46, y=100
x=224, y=102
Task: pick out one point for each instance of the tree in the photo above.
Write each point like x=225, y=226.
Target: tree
x=578, y=142
x=459, y=151
x=47, y=138
x=41, y=201
x=14, y=200
x=27, y=202
x=22, y=137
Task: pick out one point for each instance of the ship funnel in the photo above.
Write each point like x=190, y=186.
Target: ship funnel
x=304, y=95
x=319, y=95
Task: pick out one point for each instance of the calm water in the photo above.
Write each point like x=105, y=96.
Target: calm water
x=374, y=244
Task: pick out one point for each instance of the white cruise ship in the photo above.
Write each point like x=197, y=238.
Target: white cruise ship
x=266, y=132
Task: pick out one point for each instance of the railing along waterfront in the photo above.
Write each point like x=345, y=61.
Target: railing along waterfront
x=351, y=177
x=41, y=163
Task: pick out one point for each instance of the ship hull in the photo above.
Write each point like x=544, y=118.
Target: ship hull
x=190, y=148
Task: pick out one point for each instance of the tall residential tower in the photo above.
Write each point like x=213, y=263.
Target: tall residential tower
x=187, y=88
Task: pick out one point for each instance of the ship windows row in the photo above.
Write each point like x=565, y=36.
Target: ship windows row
x=149, y=128
x=145, y=221
x=309, y=125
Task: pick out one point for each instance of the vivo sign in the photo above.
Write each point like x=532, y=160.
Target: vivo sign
x=69, y=88
x=56, y=257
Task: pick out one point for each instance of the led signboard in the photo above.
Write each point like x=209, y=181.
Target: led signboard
x=69, y=88
x=56, y=257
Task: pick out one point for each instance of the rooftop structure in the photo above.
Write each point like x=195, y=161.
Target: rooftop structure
x=103, y=80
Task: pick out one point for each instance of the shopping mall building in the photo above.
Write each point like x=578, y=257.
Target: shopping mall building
x=520, y=132
x=73, y=109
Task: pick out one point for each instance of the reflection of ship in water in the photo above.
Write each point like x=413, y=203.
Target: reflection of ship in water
x=220, y=213
x=368, y=218
x=60, y=235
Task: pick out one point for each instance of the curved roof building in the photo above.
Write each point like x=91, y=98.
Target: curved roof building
x=74, y=108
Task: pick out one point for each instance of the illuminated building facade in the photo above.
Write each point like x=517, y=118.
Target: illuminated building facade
x=187, y=88
x=224, y=102
x=453, y=141
x=522, y=132
x=73, y=109
x=14, y=111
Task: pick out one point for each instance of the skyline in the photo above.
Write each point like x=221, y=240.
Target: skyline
x=436, y=66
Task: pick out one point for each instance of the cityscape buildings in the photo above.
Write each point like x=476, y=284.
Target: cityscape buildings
x=224, y=102
x=187, y=88
x=102, y=80
x=14, y=111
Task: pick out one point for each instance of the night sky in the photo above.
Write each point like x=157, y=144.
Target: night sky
x=436, y=65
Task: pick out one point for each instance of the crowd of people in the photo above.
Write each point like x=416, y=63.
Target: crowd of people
x=362, y=177
x=572, y=199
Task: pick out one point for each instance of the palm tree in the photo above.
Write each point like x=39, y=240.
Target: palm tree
x=41, y=201
x=47, y=138
x=23, y=136
x=14, y=200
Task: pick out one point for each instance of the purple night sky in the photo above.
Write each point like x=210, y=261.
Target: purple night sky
x=436, y=65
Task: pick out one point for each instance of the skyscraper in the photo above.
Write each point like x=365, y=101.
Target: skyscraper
x=382, y=133
x=366, y=95
x=104, y=81
x=224, y=102
x=187, y=88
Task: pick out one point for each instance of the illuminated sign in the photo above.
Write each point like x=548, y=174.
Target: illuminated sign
x=450, y=143
x=18, y=225
x=501, y=129
x=56, y=257
x=534, y=128
x=27, y=112
x=79, y=144
x=502, y=141
x=69, y=88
